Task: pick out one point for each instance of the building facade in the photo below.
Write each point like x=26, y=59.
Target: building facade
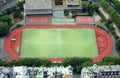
x=110, y=71
x=36, y=72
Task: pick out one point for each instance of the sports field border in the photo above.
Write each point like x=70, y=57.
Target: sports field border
x=104, y=41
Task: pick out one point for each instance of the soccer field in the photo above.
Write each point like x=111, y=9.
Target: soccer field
x=58, y=43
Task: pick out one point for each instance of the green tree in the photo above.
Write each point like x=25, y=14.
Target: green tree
x=115, y=60
x=92, y=8
x=4, y=29
x=75, y=62
x=18, y=14
x=20, y=5
x=85, y=6
x=118, y=45
x=6, y=18
x=113, y=13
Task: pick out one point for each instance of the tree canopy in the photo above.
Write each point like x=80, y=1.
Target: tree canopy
x=4, y=29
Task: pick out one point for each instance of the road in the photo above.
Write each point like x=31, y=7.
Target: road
x=3, y=54
x=7, y=5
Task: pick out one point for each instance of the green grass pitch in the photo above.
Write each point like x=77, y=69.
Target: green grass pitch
x=58, y=43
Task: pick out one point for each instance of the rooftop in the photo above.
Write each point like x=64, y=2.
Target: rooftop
x=72, y=2
x=38, y=4
x=104, y=68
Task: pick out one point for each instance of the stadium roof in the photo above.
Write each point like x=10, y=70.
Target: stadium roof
x=72, y=2
x=84, y=20
x=38, y=4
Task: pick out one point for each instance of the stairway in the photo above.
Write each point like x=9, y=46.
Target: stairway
x=58, y=14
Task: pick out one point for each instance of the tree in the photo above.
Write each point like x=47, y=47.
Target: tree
x=115, y=60
x=18, y=14
x=113, y=13
x=6, y=18
x=4, y=29
x=84, y=6
x=20, y=5
x=92, y=8
x=75, y=62
x=118, y=46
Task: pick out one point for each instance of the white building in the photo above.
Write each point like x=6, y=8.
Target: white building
x=35, y=72
x=108, y=71
x=20, y=72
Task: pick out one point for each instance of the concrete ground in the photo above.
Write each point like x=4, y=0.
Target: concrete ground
x=3, y=54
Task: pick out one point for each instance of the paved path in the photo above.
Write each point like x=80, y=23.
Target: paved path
x=107, y=16
x=7, y=5
x=114, y=51
x=2, y=51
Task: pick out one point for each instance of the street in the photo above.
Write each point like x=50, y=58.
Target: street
x=3, y=54
x=7, y=5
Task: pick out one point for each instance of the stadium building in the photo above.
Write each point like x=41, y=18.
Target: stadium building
x=33, y=9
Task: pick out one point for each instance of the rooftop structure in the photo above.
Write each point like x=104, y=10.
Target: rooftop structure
x=35, y=72
x=6, y=72
x=38, y=6
x=110, y=71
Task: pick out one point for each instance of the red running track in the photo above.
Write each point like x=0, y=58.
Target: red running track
x=104, y=41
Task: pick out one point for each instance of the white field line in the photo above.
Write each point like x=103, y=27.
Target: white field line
x=59, y=40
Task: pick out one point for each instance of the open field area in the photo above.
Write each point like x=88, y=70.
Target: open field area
x=60, y=40
x=58, y=43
